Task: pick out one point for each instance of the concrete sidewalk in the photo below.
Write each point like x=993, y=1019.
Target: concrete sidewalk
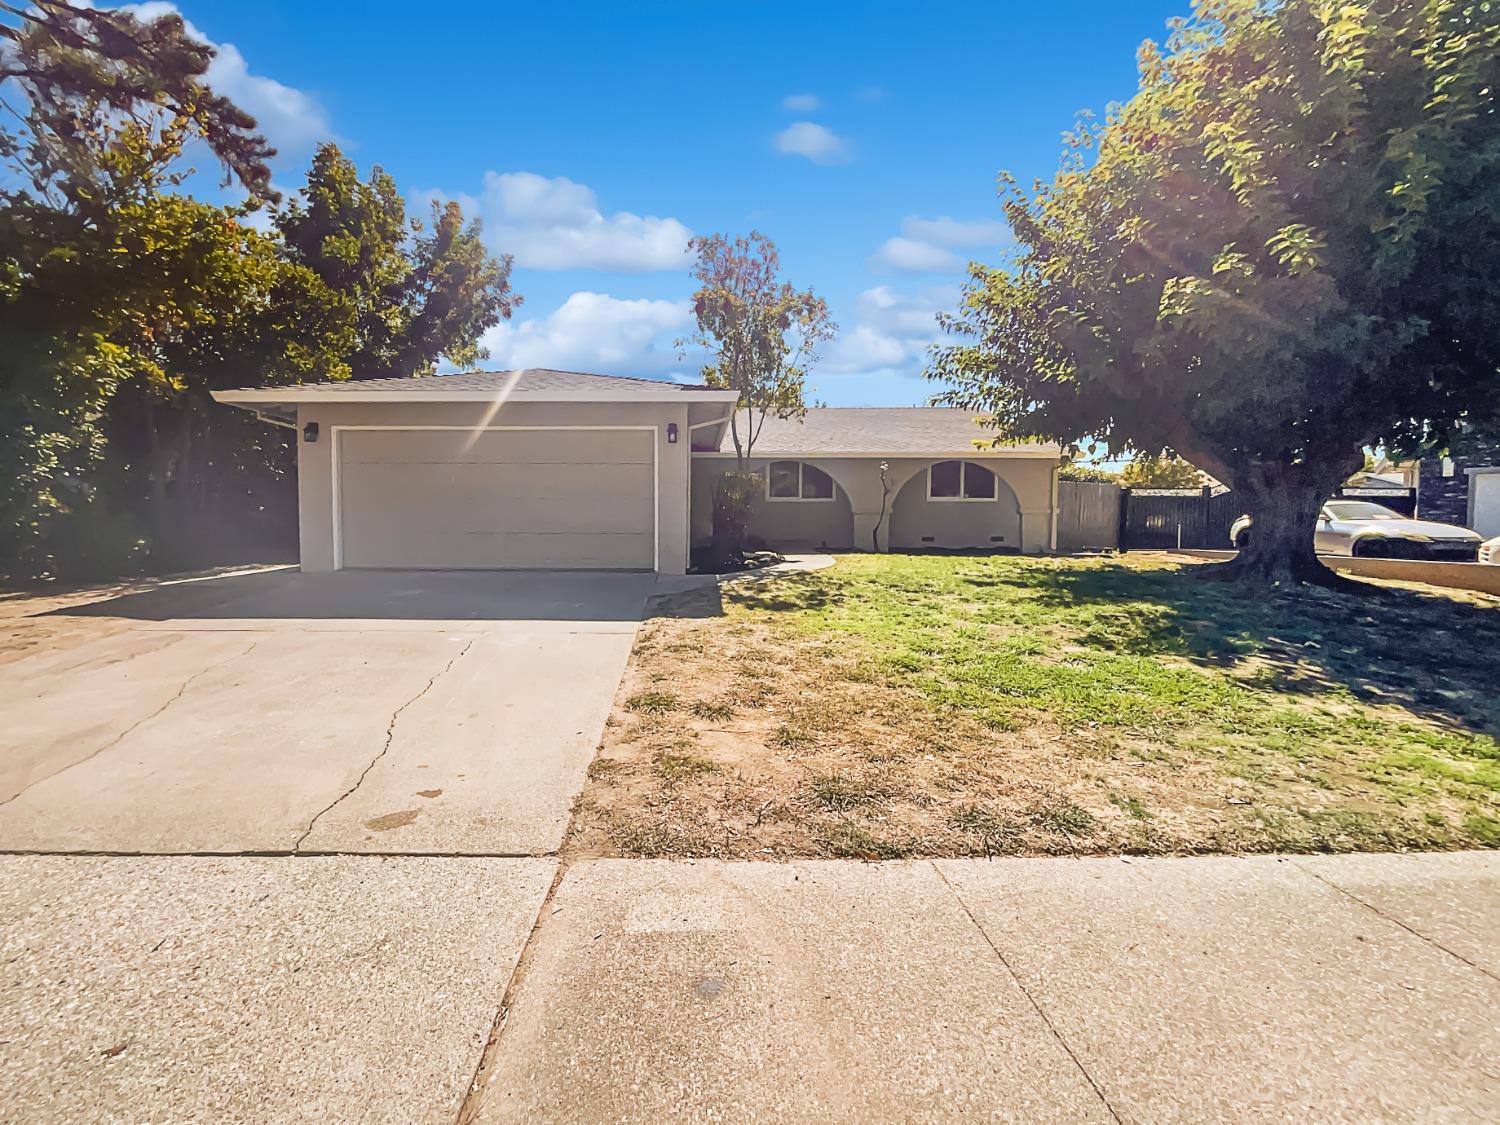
x=1330, y=989
x=374, y=989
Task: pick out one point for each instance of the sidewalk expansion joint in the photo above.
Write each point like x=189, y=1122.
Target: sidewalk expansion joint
x=1372, y=908
x=473, y=1100
x=259, y=853
x=1021, y=984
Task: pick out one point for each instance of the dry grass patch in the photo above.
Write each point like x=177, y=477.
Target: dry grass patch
x=901, y=706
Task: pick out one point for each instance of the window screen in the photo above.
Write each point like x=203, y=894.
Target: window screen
x=784, y=483
x=946, y=480
x=816, y=484
x=979, y=482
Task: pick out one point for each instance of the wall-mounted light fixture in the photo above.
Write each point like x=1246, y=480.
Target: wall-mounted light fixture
x=310, y=432
x=671, y=433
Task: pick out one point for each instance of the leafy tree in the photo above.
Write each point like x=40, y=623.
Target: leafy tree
x=419, y=293
x=1072, y=470
x=100, y=104
x=77, y=65
x=124, y=303
x=124, y=311
x=762, y=333
x=1160, y=472
x=1284, y=248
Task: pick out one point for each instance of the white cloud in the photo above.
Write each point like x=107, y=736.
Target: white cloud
x=928, y=245
x=910, y=255
x=818, y=143
x=800, y=103
x=956, y=232
x=556, y=224
x=291, y=119
x=599, y=333
x=891, y=331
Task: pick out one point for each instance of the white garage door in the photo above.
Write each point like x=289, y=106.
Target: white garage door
x=578, y=499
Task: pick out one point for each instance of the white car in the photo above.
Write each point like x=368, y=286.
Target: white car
x=1357, y=527
x=1489, y=551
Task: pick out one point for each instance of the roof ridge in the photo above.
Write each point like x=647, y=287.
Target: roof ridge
x=564, y=371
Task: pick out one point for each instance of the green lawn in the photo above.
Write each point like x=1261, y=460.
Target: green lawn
x=908, y=705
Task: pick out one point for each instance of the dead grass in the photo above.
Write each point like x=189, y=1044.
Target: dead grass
x=907, y=706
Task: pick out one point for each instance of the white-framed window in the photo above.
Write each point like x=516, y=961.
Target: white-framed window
x=960, y=481
x=796, y=480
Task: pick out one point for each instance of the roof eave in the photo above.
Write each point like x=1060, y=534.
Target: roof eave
x=294, y=395
x=812, y=454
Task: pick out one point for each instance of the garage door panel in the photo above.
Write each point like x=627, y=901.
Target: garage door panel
x=494, y=489
x=402, y=505
x=567, y=483
x=505, y=447
x=518, y=550
x=469, y=510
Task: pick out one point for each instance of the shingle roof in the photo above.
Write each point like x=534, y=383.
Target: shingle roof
x=537, y=381
x=881, y=429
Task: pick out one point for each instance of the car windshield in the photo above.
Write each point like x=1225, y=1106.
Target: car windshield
x=1359, y=510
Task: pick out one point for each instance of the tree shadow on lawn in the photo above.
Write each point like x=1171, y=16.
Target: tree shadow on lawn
x=1431, y=654
x=1434, y=655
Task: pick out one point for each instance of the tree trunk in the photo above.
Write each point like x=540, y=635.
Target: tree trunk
x=1283, y=502
x=731, y=520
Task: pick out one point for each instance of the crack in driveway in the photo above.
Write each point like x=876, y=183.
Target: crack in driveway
x=390, y=734
x=142, y=721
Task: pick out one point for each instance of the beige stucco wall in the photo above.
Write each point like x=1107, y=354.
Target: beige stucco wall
x=784, y=523
x=315, y=461
x=1030, y=520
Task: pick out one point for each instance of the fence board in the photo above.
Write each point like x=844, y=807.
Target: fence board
x=1088, y=516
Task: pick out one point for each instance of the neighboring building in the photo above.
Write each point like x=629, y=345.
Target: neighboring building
x=1463, y=488
x=558, y=469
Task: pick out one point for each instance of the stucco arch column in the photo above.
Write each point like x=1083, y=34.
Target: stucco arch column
x=861, y=480
x=854, y=477
x=1034, y=481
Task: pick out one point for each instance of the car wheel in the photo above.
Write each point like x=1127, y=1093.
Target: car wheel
x=1372, y=549
x=1242, y=540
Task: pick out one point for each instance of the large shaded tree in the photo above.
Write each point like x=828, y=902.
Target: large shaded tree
x=1284, y=248
x=420, y=293
x=98, y=108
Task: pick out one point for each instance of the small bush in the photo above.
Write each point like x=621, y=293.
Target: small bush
x=1062, y=815
x=841, y=794
x=848, y=841
x=652, y=702
x=677, y=766
x=791, y=736
x=984, y=822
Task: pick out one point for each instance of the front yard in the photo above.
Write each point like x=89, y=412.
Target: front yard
x=936, y=705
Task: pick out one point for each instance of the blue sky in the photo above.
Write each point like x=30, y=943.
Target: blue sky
x=593, y=138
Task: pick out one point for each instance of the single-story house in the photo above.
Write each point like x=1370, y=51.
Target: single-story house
x=560, y=469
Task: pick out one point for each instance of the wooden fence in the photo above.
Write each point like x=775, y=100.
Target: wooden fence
x=1088, y=516
x=1162, y=519
x=1099, y=517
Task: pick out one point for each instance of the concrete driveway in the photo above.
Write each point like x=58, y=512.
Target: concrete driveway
x=415, y=713
x=219, y=735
